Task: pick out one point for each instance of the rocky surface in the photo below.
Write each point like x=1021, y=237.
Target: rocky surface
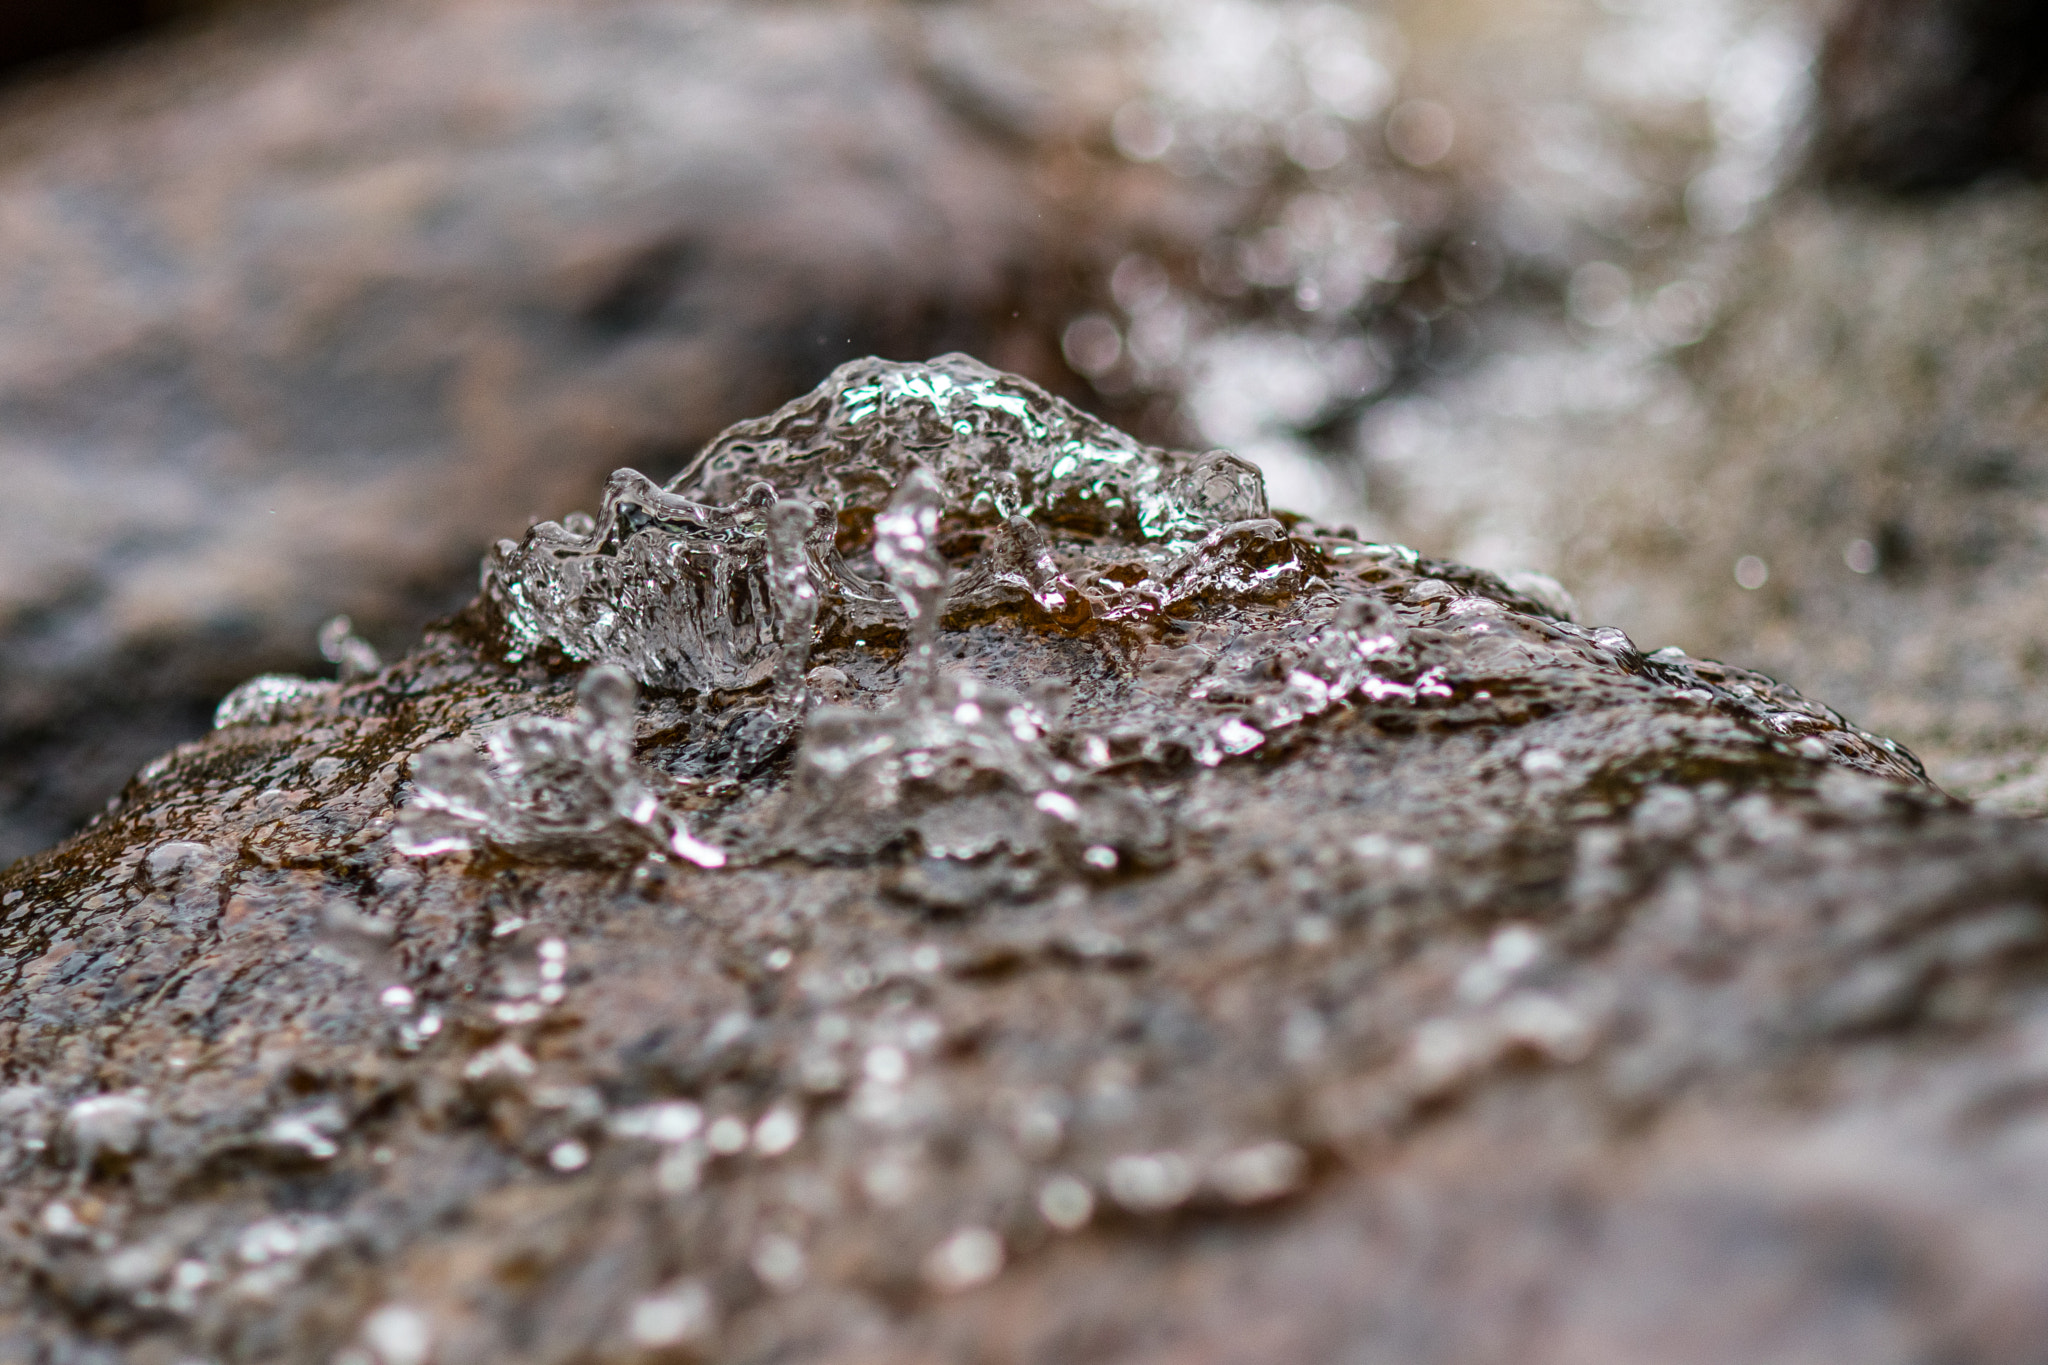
x=1836, y=478
x=1438, y=980
x=309, y=305
x=1878, y=443
x=1842, y=485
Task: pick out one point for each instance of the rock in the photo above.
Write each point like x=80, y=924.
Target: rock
x=310, y=305
x=1876, y=440
x=1832, y=472
x=1841, y=485
x=1485, y=989
x=1922, y=95
x=38, y=30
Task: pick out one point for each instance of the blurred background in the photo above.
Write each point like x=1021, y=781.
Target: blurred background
x=1731, y=316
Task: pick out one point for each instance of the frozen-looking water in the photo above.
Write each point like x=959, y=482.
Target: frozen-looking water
x=899, y=499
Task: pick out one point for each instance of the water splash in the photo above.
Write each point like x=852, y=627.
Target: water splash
x=354, y=657
x=898, y=499
x=565, y=790
x=269, y=698
x=907, y=548
x=674, y=591
x=791, y=528
x=682, y=587
x=996, y=445
x=962, y=766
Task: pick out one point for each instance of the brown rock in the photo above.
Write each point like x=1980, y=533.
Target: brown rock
x=1570, y=1004
x=303, y=310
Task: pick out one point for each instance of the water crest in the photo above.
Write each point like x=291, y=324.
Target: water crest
x=680, y=585
x=997, y=446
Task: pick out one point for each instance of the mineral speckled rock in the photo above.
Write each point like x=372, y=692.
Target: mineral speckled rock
x=1484, y=990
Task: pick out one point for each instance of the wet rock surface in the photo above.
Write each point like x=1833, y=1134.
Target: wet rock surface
x=1841, y=485
x=310, y=305
x=1440, y=980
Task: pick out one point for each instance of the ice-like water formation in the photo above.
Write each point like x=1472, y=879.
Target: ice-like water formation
x=561, y=789
x=997, y=446
x=681, y=586
x=676, y=592
x=897, y=499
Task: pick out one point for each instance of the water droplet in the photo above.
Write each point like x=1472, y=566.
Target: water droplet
x=676, y=1315
x=792, y=526
x=340, y=645
x=727, y=1135
x=310, y=1132
x=108, y=1126
x=1151, y=1182
x=502, y=1062
x=398, y=1335
x=907, y=548
x=666, y=1121
x=269, y=698
x=970, y=1257
x=778, y=1131
x=1260, y=1173
x=1066, y=1203
x=886, y=1065
x=780, y=1262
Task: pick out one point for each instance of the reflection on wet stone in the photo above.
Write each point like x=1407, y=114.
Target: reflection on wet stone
x=935, y=838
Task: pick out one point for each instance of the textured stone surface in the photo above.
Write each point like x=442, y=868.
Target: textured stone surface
x=1587, y=1005
x=305, y=309
x=1865, y=425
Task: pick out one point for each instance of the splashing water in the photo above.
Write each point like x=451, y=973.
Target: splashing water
x=958, y=764
x=674, y=591
x=907, y=548
x=790, y=528
x=551, y=789
x=997, y=446
x=852, y=512
x=678, y=585
x=269, y=698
